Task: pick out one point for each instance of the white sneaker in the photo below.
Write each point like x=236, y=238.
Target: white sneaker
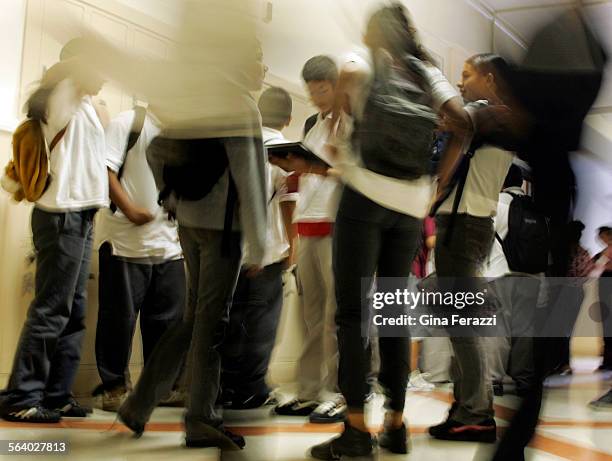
x=330, y=411
x=112, y=400
x=175, y=398
x=418, y=382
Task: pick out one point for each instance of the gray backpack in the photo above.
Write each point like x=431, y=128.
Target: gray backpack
x=396, y=133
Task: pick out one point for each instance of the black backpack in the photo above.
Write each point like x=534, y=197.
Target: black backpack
x=396, y=133
x=191, y=168
x=527, y=245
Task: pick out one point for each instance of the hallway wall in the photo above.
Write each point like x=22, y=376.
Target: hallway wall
x=138, y=31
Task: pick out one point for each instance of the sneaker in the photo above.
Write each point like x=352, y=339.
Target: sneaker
x=175, y=399
x=603, y=403
x=604, y=368
x=441, y=428
x=130, y=421
x=418, y=382
x=73, y=409
x=36, y=414
x=113, y=399
x=215, y=437
x=352, y=443
x=395, y=440
x=498, y=389
x=485, y=432
x=251, y=403
x=332, y=411
x=296, y=407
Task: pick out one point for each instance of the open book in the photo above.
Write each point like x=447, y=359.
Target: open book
x=297, y=149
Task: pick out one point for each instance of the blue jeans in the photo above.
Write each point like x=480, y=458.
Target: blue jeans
x=49, y=349
x=251, y=335
x=125, y=289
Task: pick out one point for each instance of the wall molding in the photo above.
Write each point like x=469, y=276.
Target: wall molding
x=492, y=15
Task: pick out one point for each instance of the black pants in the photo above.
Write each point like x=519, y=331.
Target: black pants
x=49, y=349
x=251, y=333
x=525, y=420
x=368, y=239
x=157, y=291
x=605, y=302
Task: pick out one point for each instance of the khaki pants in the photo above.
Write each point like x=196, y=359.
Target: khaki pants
x=318, y=362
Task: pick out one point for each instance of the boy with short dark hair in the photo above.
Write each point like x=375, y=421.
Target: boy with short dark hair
x=315, y=214
x=257, y=302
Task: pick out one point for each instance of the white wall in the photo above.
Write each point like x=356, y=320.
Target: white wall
x=301, y=29
x=11, y=38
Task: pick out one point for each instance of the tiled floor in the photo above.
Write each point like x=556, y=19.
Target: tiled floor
x=569, y=430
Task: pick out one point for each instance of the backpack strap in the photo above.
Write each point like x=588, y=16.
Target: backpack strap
x=135, y=131
x=137, y=125
x=230, y=204
x=310, y=122
x=58, y=137
x=461, y=180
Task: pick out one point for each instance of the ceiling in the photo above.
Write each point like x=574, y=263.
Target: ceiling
x=522, y=17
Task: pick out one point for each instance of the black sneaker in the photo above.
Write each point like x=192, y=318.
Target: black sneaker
x=296, y=407
x=216, y=437
x=485, y=432
x=130, y=421
x=329, y=412
x=73, y=409
x=36, y=414
x=352, y=443
x=498, y=389
x=441, y=428
x=395, y=440
x=603, y=403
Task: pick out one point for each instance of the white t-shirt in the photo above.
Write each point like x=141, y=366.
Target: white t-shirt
x=158, y=239
x=277, y=242
x=411, y=197
x=76, y=166
x=488, y=170
x=497, y=265
x=318, y=195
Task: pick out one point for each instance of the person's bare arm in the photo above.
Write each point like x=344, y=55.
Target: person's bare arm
x=430, y=242
x=287, y=209
x=119, y=197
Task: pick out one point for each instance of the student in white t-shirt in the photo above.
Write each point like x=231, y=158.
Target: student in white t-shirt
x=315, y=213
x=462, y=246
x=257, y=301
x=49, y=350
x=511, y=356
x=140, y=258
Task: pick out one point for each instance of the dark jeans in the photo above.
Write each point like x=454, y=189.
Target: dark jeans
x=157, y=291
x=248, y=345
x=49, y=348
x=462, y=255
x=369, y=239
x=211, y=282
x=564, y=308
x=519, y=296
x=605, y=301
